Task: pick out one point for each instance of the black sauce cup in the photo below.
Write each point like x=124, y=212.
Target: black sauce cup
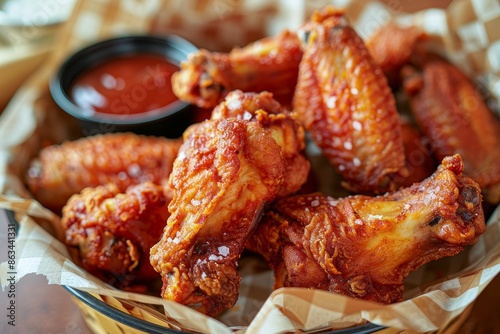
x=169, y=121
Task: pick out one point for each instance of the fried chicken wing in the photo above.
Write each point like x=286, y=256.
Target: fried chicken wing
x=244, y=105
x=114, y=231
x=123, y=159
x=285, y=130
x=364, y=247
x=270, y=64
x=342, y=98
x=392, y=47
x=454, y=116
x=226, y=174
x=419, y=158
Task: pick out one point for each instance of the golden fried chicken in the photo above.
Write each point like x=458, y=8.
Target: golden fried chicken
x=342, y=98
x=455, y=118
x=392, y=47
x=285, y=130
x=244, y=105
x=364, y=247
x=270, y=64
x=227, y=172
x=419, y=158
x=114, y=231
x=123, y=159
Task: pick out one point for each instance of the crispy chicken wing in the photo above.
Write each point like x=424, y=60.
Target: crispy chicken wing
x=285, y=130
x=454, y=116
x=226, y=174
x=419, y=159
x=114, y=231
x=123, y=159
x=244, y=105
x=343, y=99
x=365, y=247
x=270, y=64
x=392, y=47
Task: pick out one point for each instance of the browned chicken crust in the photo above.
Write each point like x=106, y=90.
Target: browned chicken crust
x=226, y=174
x=244, y=105
x=454, y=116
x=392, y=47
x=364, y=247
x=287, y=132
x=342, y=98
x=114, y=231
x=270, y=64
x=123, y=159
x=419, y=158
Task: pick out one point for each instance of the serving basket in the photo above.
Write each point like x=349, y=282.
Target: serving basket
x=110, y=315
x=434, y=303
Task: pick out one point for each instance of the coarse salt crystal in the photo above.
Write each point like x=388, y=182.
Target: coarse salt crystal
x=223, y=250
x=214, y=257
x=331, y=102
x=134, y=170
x=247, y=116
x=182, y=155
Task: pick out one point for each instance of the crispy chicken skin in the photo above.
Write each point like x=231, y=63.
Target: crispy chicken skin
x=364, y=247
x=114, y=231
x=392, y=47
x=287, y=132
x=270, y=64
x=226, y=174
x=454, y=116
x=419, y=159
x=342, y=98
x=123, y=159
x=244, y=105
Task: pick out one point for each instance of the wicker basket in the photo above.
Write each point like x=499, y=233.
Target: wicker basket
x=109, y=315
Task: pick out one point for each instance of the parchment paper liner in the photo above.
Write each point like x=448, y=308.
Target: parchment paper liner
x=32, y=119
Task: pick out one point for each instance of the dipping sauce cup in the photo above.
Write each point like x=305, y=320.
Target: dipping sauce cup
x=124, y=84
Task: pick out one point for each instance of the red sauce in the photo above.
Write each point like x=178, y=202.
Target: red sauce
x=127, y=85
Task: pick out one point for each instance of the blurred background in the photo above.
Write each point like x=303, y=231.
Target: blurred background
x=29, y=28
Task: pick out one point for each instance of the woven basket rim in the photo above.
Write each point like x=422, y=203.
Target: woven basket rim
x=129, y=320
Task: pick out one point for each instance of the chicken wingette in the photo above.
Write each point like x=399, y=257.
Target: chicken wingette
x=342, y=98
x=456, y=119
x=392, y=47
x=122, y=159
x=365, y=247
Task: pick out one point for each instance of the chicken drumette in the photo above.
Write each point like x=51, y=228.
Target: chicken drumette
x=114, y=231
x=227, y=172
x=364, y=247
